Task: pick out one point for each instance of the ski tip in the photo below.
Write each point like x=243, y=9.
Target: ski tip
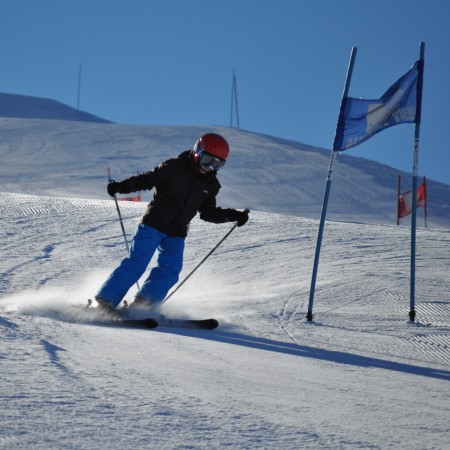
x=213, y=324
x=150, y=323
x=207, y=324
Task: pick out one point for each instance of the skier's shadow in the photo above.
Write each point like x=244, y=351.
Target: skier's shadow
x=315, y=353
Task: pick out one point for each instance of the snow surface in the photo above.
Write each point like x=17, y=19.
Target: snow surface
x=264, y=173
x=360, y=376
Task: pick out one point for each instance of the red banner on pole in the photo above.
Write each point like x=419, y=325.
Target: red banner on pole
x=404, y=205
x=136, y=198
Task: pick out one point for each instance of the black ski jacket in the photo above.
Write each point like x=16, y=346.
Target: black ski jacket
x=181, y=191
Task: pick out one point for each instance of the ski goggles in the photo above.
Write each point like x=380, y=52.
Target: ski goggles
x=210, y=162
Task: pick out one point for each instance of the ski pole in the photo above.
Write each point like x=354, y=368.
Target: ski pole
x=202, y=261
x=121, y=224
x=110, y=180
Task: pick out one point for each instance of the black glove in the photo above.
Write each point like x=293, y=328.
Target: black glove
x=113, y=188
x=241, y=217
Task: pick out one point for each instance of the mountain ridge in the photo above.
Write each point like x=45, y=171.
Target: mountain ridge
x=29, y=107
x=266, y=173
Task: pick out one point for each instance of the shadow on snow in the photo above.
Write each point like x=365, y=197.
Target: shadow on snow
x=311, y=352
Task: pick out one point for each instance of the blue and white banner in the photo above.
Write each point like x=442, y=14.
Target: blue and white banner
x=360, y=119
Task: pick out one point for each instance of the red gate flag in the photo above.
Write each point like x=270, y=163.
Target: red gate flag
x=136, y=198
x=405, y=201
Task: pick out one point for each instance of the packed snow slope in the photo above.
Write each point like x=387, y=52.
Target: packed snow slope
x=360, y=376
x=264, y=173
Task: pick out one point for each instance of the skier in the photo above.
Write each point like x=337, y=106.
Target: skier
x=183, y=186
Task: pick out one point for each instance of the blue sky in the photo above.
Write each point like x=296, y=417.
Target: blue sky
x=170, y=62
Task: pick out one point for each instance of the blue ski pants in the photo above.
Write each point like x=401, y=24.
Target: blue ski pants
x=163, y=276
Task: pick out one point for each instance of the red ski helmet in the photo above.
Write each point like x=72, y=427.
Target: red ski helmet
x=212, y=143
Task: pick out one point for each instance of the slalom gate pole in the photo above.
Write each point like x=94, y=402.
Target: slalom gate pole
x=202, y=261
x=412, y=289
x=309, y=315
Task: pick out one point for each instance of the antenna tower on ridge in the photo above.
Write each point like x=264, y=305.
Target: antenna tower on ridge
x=234, y=101
x=79, y=87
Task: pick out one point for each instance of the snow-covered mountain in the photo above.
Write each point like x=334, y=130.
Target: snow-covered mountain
x=265, y=173
x=27, y=107
x=359, y=376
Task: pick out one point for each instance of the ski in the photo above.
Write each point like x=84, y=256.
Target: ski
x=199, y=324
x=120, y=317
x=149, y=322
x=164, y=321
